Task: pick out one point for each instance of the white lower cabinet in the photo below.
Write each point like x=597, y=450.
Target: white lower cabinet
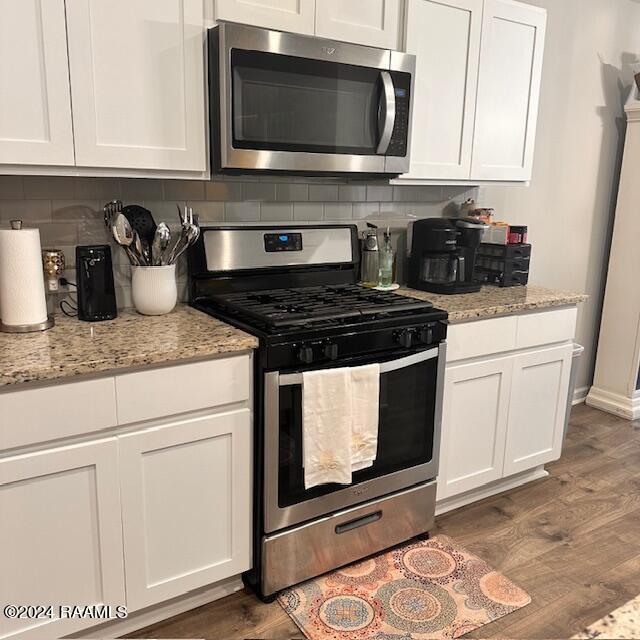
x=186, y=505
x=537, y=408
x=475, y=414
x=60, y=534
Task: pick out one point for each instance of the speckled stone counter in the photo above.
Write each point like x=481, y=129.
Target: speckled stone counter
x=496, y=301
x=73, y=348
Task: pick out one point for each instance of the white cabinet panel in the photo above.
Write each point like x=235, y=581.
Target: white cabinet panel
x=35, y=106
x=508, y=90
x=444, y=35
x=186, y=505
x=537, y=408
x=296, y=16
x=137, y=82
x=474, y=422
x=158, y=393
x=56, y=411
x=372, y=22
x=61, y=536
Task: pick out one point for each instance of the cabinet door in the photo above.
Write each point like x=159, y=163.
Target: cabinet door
x=372, y=22
x=186, y=505
x=296, y=16
x=537, y=408
x=474, y=422
x=444, y=35
x=35, y=105
x=137, y=82
x=61, y=534
x=508, y=90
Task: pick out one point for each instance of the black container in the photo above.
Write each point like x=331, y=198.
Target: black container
x=504, y=265
x=96, y=289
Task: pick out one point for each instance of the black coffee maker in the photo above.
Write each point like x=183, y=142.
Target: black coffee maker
x=443, y=254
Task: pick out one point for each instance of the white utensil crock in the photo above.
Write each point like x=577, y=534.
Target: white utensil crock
x=154, y=289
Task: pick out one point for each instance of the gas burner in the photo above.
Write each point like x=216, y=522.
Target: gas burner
x=309, y=306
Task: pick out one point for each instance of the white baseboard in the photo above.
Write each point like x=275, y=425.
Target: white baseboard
x=580, y=395
x=491, y=489
x=163, y=611
x=619, y=405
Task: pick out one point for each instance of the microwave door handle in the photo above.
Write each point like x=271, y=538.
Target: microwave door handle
x=386, y=112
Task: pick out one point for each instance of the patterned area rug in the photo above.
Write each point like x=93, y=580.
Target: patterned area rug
x=428, y=589
x=621, y=624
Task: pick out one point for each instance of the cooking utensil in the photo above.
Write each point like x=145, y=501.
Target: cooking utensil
x=143, y=224
x=159, y=245
x=111, y=210
x=190, y=234
x=124, y=236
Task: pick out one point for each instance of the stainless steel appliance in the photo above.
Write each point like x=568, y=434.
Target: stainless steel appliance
x=295, y=288
x=299, y=104
x=443, y=254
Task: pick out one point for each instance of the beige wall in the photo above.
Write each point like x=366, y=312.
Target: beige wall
x=569, y=204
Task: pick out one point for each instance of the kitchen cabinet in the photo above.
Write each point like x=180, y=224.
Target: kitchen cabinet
x=35, y=107
x=537, y=408
x=297, y=16
x=475, y=412
x=137, y=83
x=61, y=538
x=444, y=35
x=376, y=23
x=508, y=90
x=505, y=396
x=476, y=88
x=186, y=505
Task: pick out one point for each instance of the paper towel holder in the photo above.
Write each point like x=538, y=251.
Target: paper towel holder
x=16, y=225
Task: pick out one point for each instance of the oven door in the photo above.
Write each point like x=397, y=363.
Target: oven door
x=297, y=103
x=410, y=411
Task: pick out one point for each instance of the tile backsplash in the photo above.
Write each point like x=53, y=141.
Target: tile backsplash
x=68, y=210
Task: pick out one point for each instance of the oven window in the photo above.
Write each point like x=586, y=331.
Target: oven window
x=284, y=103
x=405, y=432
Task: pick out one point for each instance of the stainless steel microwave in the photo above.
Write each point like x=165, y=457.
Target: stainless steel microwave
x=287, y=103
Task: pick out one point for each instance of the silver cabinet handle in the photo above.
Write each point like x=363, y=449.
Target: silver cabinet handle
x=388, y=108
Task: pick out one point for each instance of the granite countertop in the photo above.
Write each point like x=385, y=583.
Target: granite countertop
x=74, y=348
x=496, y=301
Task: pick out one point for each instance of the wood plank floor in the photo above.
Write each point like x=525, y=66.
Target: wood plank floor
x=572, y=540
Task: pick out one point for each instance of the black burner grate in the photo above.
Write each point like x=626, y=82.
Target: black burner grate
x=307, y=305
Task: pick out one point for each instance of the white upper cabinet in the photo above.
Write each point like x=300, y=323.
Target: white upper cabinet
x=138, y=83
x=297, y=16
x=372, y=22
x=508, y=90
x=35, y=108
x=444, y=35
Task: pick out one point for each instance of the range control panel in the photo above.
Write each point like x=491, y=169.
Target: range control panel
x=282, y=242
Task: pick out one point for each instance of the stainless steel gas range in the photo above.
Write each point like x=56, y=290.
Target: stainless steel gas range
x=295, y=288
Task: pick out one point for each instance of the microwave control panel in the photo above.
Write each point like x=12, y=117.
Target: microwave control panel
x=400, y=135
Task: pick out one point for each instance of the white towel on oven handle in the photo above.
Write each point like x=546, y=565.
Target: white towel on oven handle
x=365, y=408
x=326, y=426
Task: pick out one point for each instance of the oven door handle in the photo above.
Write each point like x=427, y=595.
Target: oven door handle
x=385, y=367
x=387, y=107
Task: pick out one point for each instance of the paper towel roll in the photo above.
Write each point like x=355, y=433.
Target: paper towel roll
x=22, y=297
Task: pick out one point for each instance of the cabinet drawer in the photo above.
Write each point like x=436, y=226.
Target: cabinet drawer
x=546, y=327
x=58, y=411
x=189, y=387
x=483, y=337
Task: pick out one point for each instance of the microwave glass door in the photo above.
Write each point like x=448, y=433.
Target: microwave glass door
x=286, y=103
x=408, y=415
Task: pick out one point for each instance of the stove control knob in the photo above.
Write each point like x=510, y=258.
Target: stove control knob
x=331, y=351
x=426, y=335
x=305, y=354
x=405, y=338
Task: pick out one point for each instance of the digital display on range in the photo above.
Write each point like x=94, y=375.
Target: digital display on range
x=282, y=242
